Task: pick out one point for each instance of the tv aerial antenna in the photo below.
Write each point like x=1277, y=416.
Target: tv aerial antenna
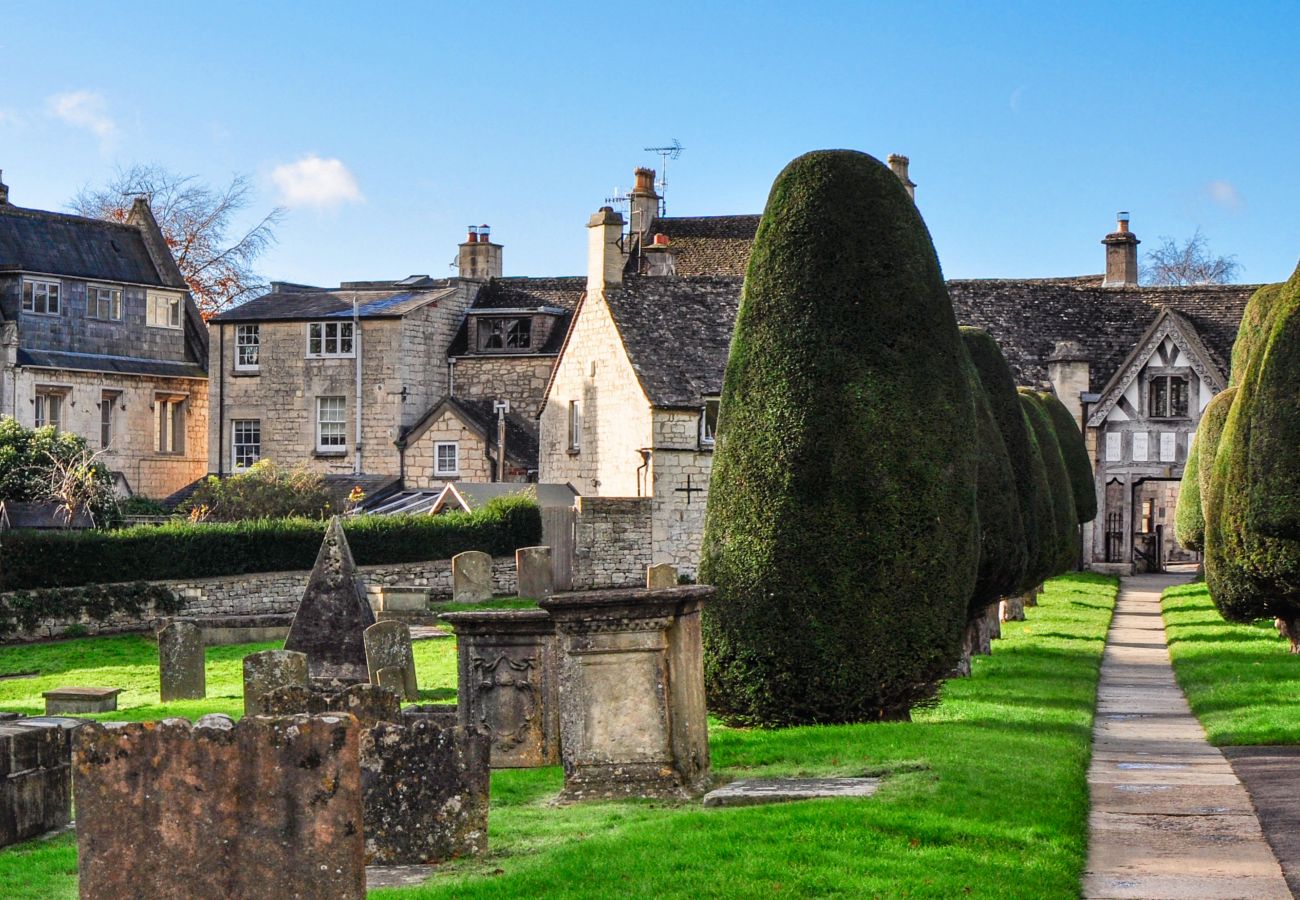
x=671, y=152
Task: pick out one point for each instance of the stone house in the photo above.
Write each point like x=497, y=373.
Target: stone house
x=632, y=402
x=99, y=336
x=416, y=381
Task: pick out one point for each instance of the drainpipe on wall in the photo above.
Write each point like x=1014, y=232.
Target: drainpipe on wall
x=356, y=346
x=221, y=403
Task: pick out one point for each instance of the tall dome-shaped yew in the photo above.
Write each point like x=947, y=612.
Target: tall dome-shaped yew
x=1064, y=527
x=841, y=529
x=1074, y=453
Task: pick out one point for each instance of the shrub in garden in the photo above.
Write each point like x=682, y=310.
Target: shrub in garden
x=1074, y=453
x=45, y=464
x=1255, y=569
x=841, y=528
x=264, y=491
x=1027, y=466
x=1064, y=529
x=1189, y=517
x=182, y=550
x=1003, y=552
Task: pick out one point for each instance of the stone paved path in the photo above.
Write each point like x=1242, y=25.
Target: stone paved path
x=1169, y=818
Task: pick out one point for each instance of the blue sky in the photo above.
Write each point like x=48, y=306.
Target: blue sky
x=388, y=128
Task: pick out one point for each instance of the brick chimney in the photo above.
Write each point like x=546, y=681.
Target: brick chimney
x=645, y=201
x=479, y=258
x=660, y=256
x=4, y=189
x=1121, y=255
x=898, y=165
x=605, y=256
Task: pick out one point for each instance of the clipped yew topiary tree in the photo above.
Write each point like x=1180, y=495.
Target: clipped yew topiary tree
x=1189, y=517
x=1074, y=453
x=1254, y=571
x=1064, y=527
x=841, y=529
x=1027, y=466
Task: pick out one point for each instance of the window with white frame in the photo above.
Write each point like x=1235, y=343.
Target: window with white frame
x=446, y=458
x=246, y=438
x=247, y=341
x=169, y=417
x=107, y=405
x=164, y=310
x=327, y=339
x=331, y=424
x=575, y=426
x=41, y=297
x=103, y=302
x=49, y=407
x=709, y=420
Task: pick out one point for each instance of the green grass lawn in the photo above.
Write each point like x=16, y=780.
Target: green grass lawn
x=986, y=796
x=1241, y=680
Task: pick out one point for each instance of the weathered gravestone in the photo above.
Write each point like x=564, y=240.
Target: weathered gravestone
x=35, y=776
x=181, y=674
x=508, y=678
x=533, y=574
x=632, y=716
x=391, y=678
x=660, y=575
x=367, y=703
x=425, y=791
x=471, y=577
x=80, y=700
x=388, y=645
x=270, y=670
x=333, y=615
x=278, y=814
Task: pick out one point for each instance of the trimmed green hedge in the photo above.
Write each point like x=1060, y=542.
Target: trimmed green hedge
x=1252, y=333
x=1189, y=517
x=181, y=551
x=842, y=527
x=1074, y=452
x=1064, y=527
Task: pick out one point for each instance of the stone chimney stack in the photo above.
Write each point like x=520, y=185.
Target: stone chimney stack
x=479, y=259
x=605, y=255
x=645, y=201
x=660, y=257
x=4, y=189
x=898, y=165
x=1121, y=255
x=1067, y=368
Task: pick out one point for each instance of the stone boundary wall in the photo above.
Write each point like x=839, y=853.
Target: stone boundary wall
x=613, y=544
x=260, y=593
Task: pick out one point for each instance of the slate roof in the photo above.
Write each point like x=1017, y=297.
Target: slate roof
x=1028, y=316
x=521, y=435
x=677, y=332
x=708, y=245
x=314, y=304
x=36, y=240
x=103, y=362
x=559, y=293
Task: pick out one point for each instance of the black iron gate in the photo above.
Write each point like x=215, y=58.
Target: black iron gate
x=1114, y=537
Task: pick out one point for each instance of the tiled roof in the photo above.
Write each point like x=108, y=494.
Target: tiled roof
x=677, y=332
x=35, y=240
x=526, y=293
x=708, y=245
x=302, y=305
x=521, y=435
x=116, y=365
x=1027, y=317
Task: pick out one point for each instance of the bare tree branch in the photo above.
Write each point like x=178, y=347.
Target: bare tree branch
x=1191, y=262
x=196, y=220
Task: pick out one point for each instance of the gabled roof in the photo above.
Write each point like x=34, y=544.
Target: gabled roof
x=558, y=296
x=314, y=304
x=1168, y=324
x=706, y=245
x=35, y=240
x=1027, y=317
x=677, y=333
x=479, y=417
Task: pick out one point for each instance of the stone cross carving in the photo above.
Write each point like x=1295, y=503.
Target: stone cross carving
x=268, y=671
x=388, y=646
x=471, y=577
x=333, y=614
x=181, y=674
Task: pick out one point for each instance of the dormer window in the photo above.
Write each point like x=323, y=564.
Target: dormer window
x=164, y=310
x=503, y=334
x=1168, y=397
x=103, y=302
x=41, y=297
x=709, y=420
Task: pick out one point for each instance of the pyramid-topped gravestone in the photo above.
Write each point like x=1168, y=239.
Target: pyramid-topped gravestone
x=333, y=615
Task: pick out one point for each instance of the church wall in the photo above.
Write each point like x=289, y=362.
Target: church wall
x=615, y=414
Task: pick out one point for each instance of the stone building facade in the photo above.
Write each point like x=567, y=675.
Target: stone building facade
x=632, y=402
x=100, y=336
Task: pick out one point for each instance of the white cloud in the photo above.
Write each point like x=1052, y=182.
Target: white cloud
x=1016, y=96
x=84, y=109
x=312, y=181
x=1225, y=194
